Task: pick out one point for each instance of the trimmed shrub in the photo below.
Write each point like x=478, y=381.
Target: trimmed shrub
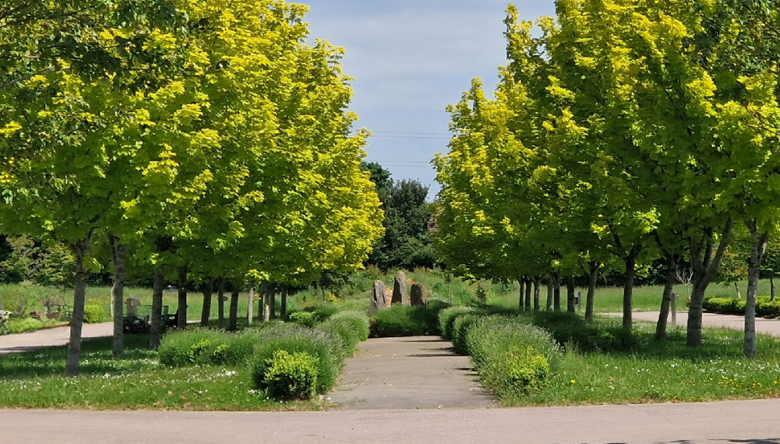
x=343, y=330
x=401, y=320
x=447, y=318
x=188, y=347
x=764, y=306
x=460, y=328
x=324, y=312
x=357, y=320
x=305, y=318
x=510, y=356
x=290, y=375
x=233, y=348
x=94, y=314
x=324, y=346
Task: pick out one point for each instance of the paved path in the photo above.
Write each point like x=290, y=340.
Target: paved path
x=50, y=337
x=751, y=422
x=766, y=326
x=409, y=373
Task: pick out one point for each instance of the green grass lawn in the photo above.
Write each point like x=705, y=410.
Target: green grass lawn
x=35, y=380
x=667, y=371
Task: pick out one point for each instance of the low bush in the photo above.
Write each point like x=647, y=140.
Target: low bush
x=324, y=312
x=460, y=328
x=447, y=318
x=305, y=318
x=290, y=375
x=324, y=346
x=510, y=356
x=359, y=322
x=188, y=347
x=233, y=348
x=765, y=307
x=14, y=326
x=94, y=314
x=401, y=320
x=344, y=331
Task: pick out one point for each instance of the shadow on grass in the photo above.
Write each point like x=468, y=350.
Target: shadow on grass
x=96, y=358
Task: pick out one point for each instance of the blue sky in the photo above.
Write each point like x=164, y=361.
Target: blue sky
x=410, y=59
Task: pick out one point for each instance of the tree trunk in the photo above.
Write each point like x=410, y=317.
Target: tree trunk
x=758, y=248
x=233, y=321
x=705, y=268
x=267, y=302
x=557, y=291
x=221, y=303
x=251, y=304
x=537, y=295
x=155, y=332
x=80, y=250
x=521, y=283
x=528, y=292
x=772, y=285
x=736, y=287
x=208, y=288
x=671, y=276
x=283, y=312
x=181, y=309
x=118, y=251
x=594, y=274
x=272, y=300
x=628, y=292
x=675, y=296
x=550, y=290
x=571, y=306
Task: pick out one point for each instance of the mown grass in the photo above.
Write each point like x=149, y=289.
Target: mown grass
x=35, y=380
x=652, y=371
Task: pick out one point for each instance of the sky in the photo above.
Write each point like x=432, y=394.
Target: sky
x=410, y=59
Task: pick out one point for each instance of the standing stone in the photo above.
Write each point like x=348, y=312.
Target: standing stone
x=418, y=295
x=378, y=297
x=400, y=294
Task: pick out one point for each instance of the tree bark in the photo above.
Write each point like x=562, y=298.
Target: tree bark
x=557, y=291
x=550, y=286
x=221, y=303
x=675, y=296
x=80, y=250
x=537, y=295
x=269, y=288
x=251, y=304
x=528, y=292
x=671, y=277
x=571, y=306
x=594, y=274
x=155, y=332
x=736, y=287
x=759, y=243
x=205, y=315
x=521, y=283
x=272, y=300
x=628, y=292
x=705, y=268
x=283, y=311
x=118, y=251
x=181, y=309
x=772, y=286
x=233, y=320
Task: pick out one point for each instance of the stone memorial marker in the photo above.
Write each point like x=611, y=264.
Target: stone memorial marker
x=377, y=297
x=418, y=295
x=400, y=293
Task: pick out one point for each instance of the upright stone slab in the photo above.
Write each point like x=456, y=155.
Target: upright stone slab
x=400, y=294
x=378, y=301
x=418, y=295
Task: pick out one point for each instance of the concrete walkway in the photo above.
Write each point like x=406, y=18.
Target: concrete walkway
x=765, y=326
x=746, y=422
x=50, y=337
x=409, y=373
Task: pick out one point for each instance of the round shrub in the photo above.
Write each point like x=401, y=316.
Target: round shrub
x=187, y=347
x=94, y=314
x=459, y=330
x=305, y=318
x=526, y=369
x=290, y=375
x=324, y=346
x=447, y=319
x=234, y=348
x=325, y=311
x=344, y=330
x=358, y=321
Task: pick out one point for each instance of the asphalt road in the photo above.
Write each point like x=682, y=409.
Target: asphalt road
x=748, y=422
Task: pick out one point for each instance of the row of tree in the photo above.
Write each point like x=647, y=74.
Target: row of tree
x=203, y=137
x=627, y=131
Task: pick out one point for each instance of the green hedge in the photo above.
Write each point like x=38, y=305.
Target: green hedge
x=460, y=328
x=401, y=320
x=510, y=356
x=764, y=306
x=447, y=319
